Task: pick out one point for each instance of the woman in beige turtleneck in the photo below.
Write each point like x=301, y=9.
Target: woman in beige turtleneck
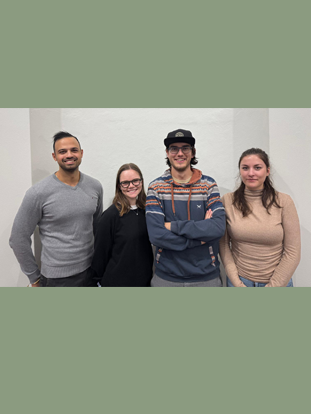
x=261, y=246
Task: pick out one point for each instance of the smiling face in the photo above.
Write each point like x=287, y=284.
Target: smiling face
x=253, y=172
x=68, y=154
x=132, y=191
x=180, y=161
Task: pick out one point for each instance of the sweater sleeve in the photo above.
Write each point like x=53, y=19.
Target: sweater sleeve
x=203, y=230
x=227, y=258
x=291, y=246
x=25, y=222
x=159, y=236
x=103, y=244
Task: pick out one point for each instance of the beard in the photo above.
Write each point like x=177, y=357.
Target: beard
x=71, y=167
x=180, y=168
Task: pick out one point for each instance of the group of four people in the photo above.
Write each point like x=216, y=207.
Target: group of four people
x=255, y=229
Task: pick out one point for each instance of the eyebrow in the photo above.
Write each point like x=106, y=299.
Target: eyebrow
x=66, y=149
x=255, y=165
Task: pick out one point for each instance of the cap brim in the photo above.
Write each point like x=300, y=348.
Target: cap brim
x=187, y=140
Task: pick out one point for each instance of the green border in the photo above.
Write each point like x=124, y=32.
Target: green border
x=144, y=350
x=165, y=54
x=150, y=350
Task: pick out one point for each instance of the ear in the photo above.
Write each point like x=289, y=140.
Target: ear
x=54, y=157
x=81, y=153
x=268, y=171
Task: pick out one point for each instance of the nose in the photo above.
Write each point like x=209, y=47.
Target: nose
x=180, y=150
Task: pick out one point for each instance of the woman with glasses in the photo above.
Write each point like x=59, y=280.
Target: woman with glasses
x=123, y=253
x=261, y=246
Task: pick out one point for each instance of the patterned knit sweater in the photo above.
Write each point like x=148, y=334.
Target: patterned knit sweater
x=261, y=247
x=180, y=254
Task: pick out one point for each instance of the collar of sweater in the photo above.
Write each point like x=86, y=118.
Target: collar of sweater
x=196, y=176
x=253, y=195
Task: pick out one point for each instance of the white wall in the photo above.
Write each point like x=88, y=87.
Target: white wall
x=15, y=179
x=111, y=137
x=290, y=150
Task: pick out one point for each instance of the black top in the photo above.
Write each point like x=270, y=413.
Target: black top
x=123, y=254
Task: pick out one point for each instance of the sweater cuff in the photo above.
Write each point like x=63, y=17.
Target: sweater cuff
x=174, y=227
x=34, y=276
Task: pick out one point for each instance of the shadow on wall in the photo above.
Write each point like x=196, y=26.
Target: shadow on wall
x=223, y=274
x=223, y=191
x=302, y=279
x=37, y=246
x=38, y=175
x=281, y=185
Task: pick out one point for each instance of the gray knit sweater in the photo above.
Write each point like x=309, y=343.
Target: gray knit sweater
x=66, y=217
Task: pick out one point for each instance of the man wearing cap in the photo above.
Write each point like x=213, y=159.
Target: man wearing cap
x=185, y=219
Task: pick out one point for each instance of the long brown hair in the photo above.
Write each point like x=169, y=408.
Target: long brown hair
x=269, y=195
x=120, y=201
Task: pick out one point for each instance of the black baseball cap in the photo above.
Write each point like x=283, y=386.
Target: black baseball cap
x=180, y=135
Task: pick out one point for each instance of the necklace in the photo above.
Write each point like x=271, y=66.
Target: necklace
x=134, y=208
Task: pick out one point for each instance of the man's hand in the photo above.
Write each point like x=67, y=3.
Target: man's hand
x=36, y=284
x=208, y=215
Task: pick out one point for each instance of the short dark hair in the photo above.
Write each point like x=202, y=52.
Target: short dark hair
x=193, y=161
x=63, y=134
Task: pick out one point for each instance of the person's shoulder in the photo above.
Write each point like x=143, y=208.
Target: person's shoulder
x=227, y=199
x=39, y=192
x=109, y=219
x=110, y=212
x=207, y=179
x=284, y=199
x=87, y=179
x=165, y=178
x=45, y=181
x=42, y=186
x=283, y=196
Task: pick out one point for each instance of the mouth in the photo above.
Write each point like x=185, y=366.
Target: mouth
x=71, y=161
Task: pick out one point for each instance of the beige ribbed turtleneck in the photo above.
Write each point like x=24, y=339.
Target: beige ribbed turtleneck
x=264, y=247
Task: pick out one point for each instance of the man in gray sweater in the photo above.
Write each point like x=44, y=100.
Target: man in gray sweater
x=66, y=206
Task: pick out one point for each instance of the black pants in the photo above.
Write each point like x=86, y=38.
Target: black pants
x=79, y=280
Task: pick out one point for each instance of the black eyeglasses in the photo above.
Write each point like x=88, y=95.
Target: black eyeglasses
x=175, y=150
x=126, y=184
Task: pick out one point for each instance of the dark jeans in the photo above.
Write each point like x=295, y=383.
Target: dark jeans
x=79, y=280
